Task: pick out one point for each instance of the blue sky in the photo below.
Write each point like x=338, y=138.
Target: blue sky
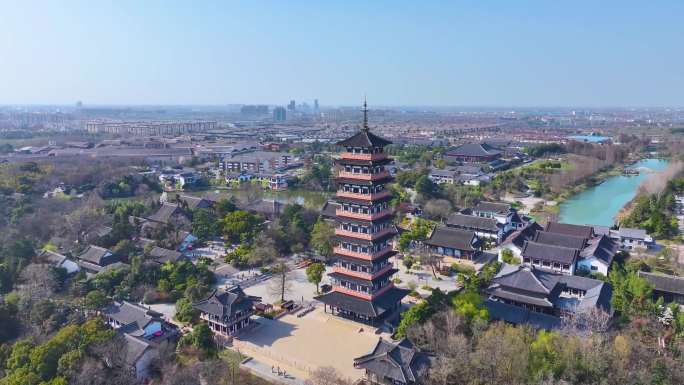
x=451, y=53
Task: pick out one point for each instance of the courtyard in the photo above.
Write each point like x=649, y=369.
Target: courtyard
x=301, y=345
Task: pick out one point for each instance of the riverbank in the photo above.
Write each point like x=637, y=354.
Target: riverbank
x=600, y=203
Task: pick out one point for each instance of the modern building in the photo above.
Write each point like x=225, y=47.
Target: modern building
x=279, y=114
x=362, y=273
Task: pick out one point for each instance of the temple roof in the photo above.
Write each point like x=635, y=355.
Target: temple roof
x=364, y=138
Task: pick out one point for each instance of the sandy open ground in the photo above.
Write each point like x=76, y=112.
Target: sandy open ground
x=300, y=345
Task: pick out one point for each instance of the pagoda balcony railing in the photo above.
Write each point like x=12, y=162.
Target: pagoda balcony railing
x=362, y=216
x=361, y=274
x=359, y=255
x=358, y=294
x=368, y=197
x=368, y=237
x=362, y=176
x=351, y=155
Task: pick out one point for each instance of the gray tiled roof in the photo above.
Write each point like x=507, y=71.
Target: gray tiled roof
x=494, y=207
x=514, y=282
x=473, y=222
x=664, y=283
x=364, y=307
x=165, y=212
x=556, y=239
x=550, y=253
x=626, y=232
x=127, y=313
x=94, y=254
x=450, y=237
x=527, y=233
x=225, y=303
x=474, y=149
x=602, y=248
x=401, y=361
x=364, y=138
x=162, y=255
x=569, y=229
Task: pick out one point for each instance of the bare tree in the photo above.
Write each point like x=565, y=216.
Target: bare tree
x=327, y=375
x=586, y=321
x=281, y=282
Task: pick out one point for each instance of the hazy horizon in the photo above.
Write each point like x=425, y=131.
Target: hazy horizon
x=528, y=54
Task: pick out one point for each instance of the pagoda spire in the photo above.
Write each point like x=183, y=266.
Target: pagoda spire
x=365, y=114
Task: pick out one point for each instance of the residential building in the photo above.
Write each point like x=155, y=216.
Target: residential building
x=259, y=161
x=161, y=255
x=391, y=363
x=484, y=227
x=58, y=260
x=558, y=259
x=668, y=287
x=279, y=114
x=362, y=273
x=516, y=241
x=226, y=311
x=527, y=295
x=454, y=243
x=95, y=258
x=631, y=239
x=145, y=332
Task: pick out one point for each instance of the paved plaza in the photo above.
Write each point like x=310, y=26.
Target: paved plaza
x=301, y=345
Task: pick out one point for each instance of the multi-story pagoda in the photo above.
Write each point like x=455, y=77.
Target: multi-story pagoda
x=362, y=273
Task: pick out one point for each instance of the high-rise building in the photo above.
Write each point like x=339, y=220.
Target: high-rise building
x=362, y=273
x=279, y=114
x=291, y=106
x=315, y=105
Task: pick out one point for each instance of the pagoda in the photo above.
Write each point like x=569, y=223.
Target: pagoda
x=362, y=287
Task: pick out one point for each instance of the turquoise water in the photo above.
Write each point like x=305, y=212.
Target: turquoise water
x=598, y=205
x=590, y=138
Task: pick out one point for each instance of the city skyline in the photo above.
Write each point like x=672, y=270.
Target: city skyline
x=527, y=54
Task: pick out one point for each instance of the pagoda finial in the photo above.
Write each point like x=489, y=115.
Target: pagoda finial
x=365, y=114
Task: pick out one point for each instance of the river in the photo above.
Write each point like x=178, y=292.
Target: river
x=600, y=204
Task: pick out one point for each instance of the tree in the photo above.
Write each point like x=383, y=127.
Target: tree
x=326, y=375
x=322, y=237
x=508, y=257
x=204, y=224
x=438, y=208
x=223, y=207
x=240, y=225
x=201, y=338
x=95, y=299
x=185, y=312
x=425, y=186
x=263, y=251
x=468, y=304
x=281, y=281
x=408, y=261
x=314, y=273
x=416, y=314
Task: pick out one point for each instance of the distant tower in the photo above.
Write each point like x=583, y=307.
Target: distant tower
x=316, y=105
x=291, y=106
x=279, y=114
x=362, y=273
